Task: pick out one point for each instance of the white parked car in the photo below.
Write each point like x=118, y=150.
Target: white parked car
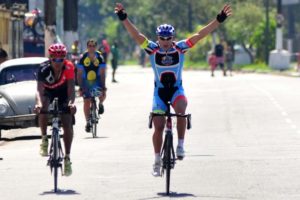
x=17, y=92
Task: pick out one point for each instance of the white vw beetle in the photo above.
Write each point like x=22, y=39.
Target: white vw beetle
x=17, y=92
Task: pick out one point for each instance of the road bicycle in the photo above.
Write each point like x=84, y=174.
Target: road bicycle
x=167, y=152
x=94, y=116
x=56, y=154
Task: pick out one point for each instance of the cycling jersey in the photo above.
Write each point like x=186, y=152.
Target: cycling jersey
x=56, y=88
x=167, y=67
x=91, y=72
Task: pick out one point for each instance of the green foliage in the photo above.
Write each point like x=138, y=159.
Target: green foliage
x=258, y=39
x=246, y=26
x=199, y=51
x=244, y=21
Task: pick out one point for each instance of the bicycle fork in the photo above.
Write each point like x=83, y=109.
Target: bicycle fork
x=167, y=152
x=56, y=153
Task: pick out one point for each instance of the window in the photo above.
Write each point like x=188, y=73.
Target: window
x=18, y=74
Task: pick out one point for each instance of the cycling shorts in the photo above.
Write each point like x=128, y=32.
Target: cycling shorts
x=162, y=96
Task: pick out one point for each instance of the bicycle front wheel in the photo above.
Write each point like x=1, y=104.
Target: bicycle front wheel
x=94, y=120
x=168, y=160
x=56, y=159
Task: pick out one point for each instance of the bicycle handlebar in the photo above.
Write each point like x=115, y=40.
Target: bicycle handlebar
x=54, y=109
x=187, y=116
x=169, y=114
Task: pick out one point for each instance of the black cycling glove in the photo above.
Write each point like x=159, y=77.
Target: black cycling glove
x=122, y=14
x=221, y=16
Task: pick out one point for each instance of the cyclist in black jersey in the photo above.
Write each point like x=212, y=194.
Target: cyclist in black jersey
x=56, y=79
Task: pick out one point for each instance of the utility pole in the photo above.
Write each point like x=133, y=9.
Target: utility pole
x=291, y=28
x=267, y=30
x=279, y=58
x=50, y=22
x=70, y=22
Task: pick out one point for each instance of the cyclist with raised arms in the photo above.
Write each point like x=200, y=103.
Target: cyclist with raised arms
x=56, y=78
x=91, y=75
x=166, y=58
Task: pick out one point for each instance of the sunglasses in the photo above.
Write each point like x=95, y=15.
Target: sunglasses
x=58, y=60
x=92, y=46
x=165, y=38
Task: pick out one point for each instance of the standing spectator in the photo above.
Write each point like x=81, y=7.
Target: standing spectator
x=75, y=53
x=212, y=61
x=114, y=60
x=104, y=49
x=229, y=58
x=3, y=54
x=219, y=51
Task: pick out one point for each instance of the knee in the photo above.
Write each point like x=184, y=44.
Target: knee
x=158, y=128
x=68, y=130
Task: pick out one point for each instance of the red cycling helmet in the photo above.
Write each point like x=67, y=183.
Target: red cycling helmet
x=57, y=50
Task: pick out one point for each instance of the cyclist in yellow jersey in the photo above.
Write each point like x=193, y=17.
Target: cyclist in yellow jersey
x=91, y=76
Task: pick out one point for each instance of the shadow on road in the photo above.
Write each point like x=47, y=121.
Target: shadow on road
x=200, y=155
x=176, y=195
x=32, y=137
x=172, y=195
x=101, y=137
x=60, y=192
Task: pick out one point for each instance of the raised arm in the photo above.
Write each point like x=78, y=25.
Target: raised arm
x=130, y=27
x=226, y=11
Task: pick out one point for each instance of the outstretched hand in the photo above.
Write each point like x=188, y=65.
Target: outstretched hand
x=119, y=7
x=120, y=11
x=225, y=12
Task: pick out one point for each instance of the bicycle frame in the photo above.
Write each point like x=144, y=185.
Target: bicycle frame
x=94, y=116
x=55, y=153
x=167, y=151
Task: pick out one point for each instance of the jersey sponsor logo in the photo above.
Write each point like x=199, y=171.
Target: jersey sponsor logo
x=96, y=62
x=50, y=78
x=167, y=60
x=87, y=62
x=91, y=76
x=61, y=81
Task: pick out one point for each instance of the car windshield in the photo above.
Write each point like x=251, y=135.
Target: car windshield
x=18, y=73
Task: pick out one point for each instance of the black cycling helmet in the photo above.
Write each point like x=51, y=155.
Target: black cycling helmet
x=165, y=30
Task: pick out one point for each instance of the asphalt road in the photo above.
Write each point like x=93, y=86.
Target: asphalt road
x=244, y=144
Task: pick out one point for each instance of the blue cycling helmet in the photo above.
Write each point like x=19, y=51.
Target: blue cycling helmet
x=165, y=30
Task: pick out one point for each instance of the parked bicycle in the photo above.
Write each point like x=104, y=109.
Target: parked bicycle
x=56, y=154
x=34, y=25
x=167, y=152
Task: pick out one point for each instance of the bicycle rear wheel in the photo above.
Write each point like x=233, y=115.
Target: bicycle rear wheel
x=168, y=160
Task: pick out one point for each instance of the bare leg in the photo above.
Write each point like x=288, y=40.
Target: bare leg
x=43, y=122
x=86, y=107
x=159, y=123
x=180, y=107
x=68, y=132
